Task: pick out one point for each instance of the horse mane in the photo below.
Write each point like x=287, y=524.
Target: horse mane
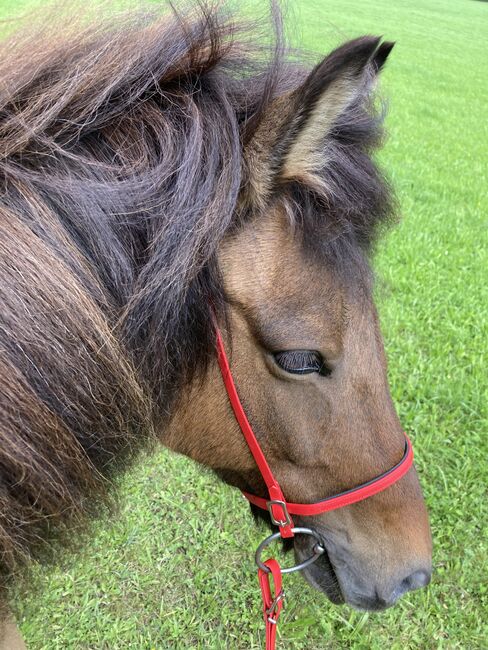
x=121, y=162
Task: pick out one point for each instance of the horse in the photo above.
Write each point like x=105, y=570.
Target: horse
x=163, y=173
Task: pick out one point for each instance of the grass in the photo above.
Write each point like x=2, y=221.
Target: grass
x=174, y=569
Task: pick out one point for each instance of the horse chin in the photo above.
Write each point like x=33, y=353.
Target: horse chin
x=321, y=575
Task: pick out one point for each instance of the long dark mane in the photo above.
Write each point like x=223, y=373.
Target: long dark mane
x=121, y=163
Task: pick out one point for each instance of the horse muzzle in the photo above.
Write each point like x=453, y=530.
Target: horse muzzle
x=344, y=579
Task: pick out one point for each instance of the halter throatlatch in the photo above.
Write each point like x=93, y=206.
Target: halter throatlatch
x=280, y=510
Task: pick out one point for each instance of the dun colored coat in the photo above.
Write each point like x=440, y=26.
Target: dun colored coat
x=156, y=170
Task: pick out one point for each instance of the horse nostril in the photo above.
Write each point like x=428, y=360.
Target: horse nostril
x=383, y=599
x=415, y=580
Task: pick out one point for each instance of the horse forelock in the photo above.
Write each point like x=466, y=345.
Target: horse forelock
x=121, y=166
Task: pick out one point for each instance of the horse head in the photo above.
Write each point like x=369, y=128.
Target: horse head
x=306, y=348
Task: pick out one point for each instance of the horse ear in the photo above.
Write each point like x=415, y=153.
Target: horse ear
x=292, y=139
x=336, y=83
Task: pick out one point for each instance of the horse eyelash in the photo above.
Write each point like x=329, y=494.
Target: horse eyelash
x=301, y=362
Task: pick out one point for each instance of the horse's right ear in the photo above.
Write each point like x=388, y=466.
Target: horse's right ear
x=292, y=140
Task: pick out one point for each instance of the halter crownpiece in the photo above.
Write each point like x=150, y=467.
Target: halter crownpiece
x=280, y=509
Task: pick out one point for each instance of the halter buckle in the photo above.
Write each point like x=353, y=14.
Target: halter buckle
x=278, y=522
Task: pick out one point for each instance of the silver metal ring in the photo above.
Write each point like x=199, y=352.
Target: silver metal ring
x=318, y=550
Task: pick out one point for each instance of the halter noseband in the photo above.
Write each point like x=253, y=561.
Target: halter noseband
x=280, y=509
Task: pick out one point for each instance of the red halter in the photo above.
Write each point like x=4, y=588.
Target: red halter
x=280, y=509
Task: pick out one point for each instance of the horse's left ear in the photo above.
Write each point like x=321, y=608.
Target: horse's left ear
x=291, y=142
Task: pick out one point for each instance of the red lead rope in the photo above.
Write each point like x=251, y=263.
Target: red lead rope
x=280, y=509
x=272, y=601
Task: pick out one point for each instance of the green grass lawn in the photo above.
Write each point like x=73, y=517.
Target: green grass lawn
x=174, y=567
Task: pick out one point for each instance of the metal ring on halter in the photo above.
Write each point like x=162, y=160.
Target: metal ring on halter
x=318, y=550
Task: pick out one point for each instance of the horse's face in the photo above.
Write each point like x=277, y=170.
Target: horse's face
x=307, y=356
x=311, y=371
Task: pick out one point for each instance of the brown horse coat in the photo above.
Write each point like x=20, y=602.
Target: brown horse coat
x=154, y=169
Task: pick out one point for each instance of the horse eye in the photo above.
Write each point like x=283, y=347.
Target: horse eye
x=302, y=362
